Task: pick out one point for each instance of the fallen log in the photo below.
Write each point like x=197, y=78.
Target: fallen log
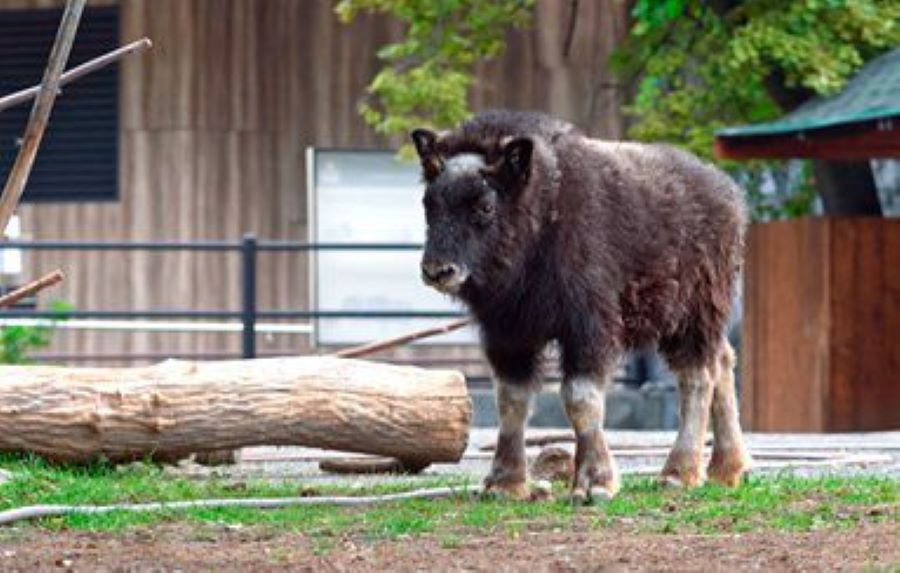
x=378, y=465
x=170, y=410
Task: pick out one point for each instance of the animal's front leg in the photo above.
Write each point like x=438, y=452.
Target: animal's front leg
x=684, y=466
x=596, y=476
x=509, y=472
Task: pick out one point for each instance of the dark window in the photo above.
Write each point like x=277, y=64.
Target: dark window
x=78, y=159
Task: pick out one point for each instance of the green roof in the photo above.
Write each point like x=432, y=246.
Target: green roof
x=873, y=93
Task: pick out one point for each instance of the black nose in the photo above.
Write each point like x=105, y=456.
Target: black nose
x=438, y=272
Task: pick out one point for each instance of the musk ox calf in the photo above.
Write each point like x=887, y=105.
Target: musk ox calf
x=547, y=235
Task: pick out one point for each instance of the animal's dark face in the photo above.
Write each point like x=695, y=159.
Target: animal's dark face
x=467, y=203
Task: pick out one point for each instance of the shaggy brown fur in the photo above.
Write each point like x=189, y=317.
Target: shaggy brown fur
x=603, y=247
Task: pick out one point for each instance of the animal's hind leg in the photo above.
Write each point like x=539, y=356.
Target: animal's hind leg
x=596, y=477
x=509, y=471
x=684, y=466
x=729, y=457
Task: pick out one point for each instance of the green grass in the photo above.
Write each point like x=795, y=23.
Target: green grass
x=781, y=503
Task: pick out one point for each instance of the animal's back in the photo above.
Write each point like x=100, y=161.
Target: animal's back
x=485, y=132
x=665, y=231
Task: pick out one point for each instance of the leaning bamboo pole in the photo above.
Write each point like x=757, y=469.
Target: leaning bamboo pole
x=40, y=113
x=77, y=72
x=31, y=288
x=378, y=346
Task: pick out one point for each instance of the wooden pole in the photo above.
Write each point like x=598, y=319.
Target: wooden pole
x=31, y=288
x=78, y=72
x=40, y=113
x=176, y=408
x=373, y=347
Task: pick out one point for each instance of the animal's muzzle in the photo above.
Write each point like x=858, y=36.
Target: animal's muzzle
x=447, y=277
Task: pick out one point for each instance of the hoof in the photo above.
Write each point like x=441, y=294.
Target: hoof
x=518, y=491
x=541, y=490
x=599, y=494
x=672, y=482
x=684, y=480
x=594, y=495
x=728, y=469
x=683, y=470
x=729, y=480
x=578, y=496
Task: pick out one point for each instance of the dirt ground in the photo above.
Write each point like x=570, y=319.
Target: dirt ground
x=189, y=548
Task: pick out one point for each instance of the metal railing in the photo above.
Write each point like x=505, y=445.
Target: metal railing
x=248, y=316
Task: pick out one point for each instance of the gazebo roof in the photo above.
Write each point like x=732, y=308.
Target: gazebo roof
x=858, y=122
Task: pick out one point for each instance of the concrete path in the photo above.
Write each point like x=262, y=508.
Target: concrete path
x=637, y=452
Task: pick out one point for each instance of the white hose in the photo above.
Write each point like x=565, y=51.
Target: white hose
x=39, y=511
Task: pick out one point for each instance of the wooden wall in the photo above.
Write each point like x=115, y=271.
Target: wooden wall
x=214, y=124
x=821, y=323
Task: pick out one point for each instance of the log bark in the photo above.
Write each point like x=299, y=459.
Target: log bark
x=175, y=408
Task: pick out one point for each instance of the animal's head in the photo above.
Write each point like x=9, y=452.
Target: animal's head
x=470, y=200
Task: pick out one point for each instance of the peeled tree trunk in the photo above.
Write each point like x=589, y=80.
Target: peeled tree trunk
x=172, y=409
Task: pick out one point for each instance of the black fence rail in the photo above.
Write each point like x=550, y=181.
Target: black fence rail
x=249, y=314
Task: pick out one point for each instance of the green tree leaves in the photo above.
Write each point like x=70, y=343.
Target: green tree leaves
x=17, y=341
x=695, y=66
x=700, y=65
x=428, y=74
x=703, y=64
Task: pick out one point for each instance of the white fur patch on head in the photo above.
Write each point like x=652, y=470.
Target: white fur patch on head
x=464, y=164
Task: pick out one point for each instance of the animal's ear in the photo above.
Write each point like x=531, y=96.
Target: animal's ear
x=425, y=141
x=516, y=165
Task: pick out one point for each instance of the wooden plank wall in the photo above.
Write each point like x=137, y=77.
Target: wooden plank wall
x=821, y=318
x=784, y=354
x=214, y=124
x=865, y=324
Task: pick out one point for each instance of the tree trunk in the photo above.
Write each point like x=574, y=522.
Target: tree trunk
x=169, y=410
x=847, y=188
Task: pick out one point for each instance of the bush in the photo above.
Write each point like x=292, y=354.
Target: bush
x=17, y=341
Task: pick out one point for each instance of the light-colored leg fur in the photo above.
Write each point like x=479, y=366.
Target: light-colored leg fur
x=596, y=476
x=684, y=466
x=509, y=472
x=729, y=457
